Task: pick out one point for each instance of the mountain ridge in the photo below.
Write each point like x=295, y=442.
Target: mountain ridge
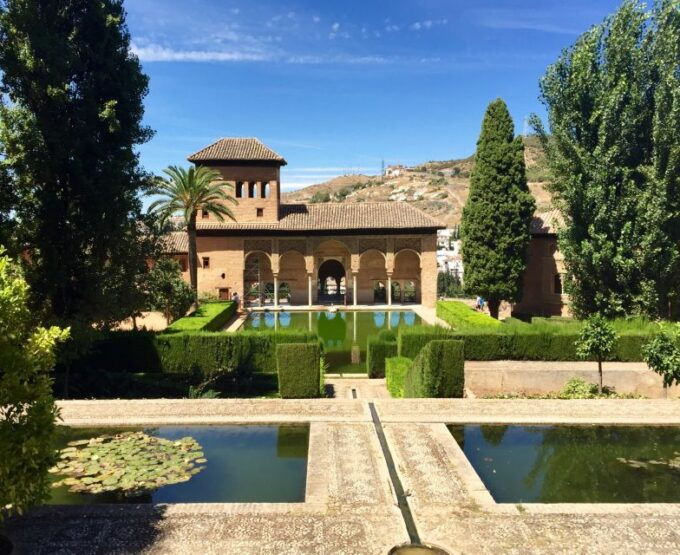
x=438, y=188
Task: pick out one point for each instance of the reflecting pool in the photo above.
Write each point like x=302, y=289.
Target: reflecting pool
x=575, y=464
x=344, y=333
x=256, y=464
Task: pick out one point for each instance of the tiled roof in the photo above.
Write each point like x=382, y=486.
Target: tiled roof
x=237, y=149
x=546, y=223
x=336, y=217
x=176, y=242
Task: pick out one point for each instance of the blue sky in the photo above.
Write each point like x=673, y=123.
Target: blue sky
x=336, y=87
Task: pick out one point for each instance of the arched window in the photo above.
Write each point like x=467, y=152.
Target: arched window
x=239, y=189
x=252, y=190
x=264, y=190
x=557, y=284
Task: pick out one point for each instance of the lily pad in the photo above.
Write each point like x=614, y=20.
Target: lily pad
x=130, y=463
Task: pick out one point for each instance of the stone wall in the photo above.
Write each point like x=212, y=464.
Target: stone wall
x=490, y=378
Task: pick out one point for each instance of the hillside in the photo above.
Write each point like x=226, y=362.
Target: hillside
x=439, y=188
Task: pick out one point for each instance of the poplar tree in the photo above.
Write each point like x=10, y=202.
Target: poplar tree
x=613, y=102
x=498, y=212
x=70, y=121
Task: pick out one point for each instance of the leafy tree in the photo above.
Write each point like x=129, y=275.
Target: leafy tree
x=449, y=285
x=596, y=341
x=662, y=354
x=187, y=192
x=498, y=212
x=613, y=102
x=167, y=291
x=70, y=119
x=27, y=410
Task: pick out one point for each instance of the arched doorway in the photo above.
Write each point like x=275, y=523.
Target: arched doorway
x=331, y=282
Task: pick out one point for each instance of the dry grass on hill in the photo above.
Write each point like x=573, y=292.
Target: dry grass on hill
x=439, y=188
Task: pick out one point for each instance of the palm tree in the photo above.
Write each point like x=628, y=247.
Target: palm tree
x=188, y=191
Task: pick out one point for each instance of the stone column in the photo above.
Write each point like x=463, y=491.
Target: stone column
x=354, y=288
x=309, y=289
x=389, y=289
x=276, y=291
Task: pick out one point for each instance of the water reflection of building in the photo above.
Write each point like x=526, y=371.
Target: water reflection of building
x=276, y=253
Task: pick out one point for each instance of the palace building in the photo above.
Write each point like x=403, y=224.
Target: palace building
x=543, y=288
x=274, y=253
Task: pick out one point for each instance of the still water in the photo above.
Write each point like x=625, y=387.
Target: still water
x=344, y=333
x=257, y=464
x=574, y=464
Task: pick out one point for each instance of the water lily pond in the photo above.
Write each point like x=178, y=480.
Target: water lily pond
x=344, y=333
x=219, y=464
x=574, y=464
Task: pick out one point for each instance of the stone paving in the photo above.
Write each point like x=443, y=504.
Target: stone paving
x=350, y=505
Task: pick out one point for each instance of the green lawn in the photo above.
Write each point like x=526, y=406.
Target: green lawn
x=460, y=316
x=210, y=316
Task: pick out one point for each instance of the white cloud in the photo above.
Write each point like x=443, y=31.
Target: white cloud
x=392, y=28
x=331, y=169
x=157, y=53
x=316, y=19
x=428, y=24
x=523, y=20
x=337, y=33
x=236, y=11
x=151, y=52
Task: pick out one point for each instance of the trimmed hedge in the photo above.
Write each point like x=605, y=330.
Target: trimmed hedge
x=376, y=353
x=210, y=316
x=298, y=368
x=204, y=353
x=543, y=346
x=413, y=339
x=459, y=315
x=517, y=345
x=438, y=371
x=396, y=369
x=387, y=335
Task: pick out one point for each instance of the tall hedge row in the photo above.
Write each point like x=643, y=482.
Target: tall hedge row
x=520, y=345
x=298, y=366
x=412, y=340
x=437, y=371
x=396, y=369
x=202, y=353
x=376, y=352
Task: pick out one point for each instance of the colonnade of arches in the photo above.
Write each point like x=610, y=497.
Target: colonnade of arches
x=376, y=278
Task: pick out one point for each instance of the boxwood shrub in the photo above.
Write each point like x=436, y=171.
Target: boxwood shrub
x=396, y=369
x=437, y=371
x=376, y=352
x=298, y=368
x=203, y=353
x=387, y=335
x=480, y=344
x=412, y=340
x=210, y=316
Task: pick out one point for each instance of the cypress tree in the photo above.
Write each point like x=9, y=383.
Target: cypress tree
x=70, y=121
x=498, y=212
